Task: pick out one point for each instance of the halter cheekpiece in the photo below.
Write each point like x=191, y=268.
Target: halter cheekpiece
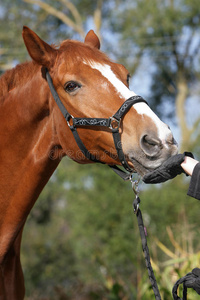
x=113, y=123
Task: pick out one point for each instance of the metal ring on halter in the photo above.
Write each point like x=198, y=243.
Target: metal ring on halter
x=68, y=121
x=114, y=123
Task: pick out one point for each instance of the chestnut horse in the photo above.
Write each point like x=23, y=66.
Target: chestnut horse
x=35, y=136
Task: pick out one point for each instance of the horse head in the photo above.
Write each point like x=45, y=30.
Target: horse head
x=90, y=85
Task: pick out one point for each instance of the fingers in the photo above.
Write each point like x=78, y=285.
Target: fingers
x=155, y=177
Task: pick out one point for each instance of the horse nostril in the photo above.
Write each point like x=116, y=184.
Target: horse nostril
x=150, y=145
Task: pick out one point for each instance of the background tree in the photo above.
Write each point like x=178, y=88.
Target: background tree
x=168, y=34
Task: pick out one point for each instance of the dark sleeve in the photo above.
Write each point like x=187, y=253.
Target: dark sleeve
x=194, y=187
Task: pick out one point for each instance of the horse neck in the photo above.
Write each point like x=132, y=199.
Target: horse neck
x=27, y=141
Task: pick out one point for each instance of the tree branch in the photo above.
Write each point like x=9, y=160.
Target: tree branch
x=174, y=51
x=98, y=17
x=74, y=11
x=195, y=126
x=181, y=97
x=58, y=14
x=187, y=47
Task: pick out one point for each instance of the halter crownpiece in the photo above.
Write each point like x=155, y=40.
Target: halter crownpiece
x=113, y=123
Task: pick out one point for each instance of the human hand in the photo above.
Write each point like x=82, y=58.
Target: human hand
x=168, y=170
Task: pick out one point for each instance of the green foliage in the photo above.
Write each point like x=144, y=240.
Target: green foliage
x=90, y=240
x=167, y=33
x=179, y=260
x=95, y=223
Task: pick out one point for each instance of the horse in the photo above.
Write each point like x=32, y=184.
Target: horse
x=35, y=135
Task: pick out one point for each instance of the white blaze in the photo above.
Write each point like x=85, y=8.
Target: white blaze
x=141, y=107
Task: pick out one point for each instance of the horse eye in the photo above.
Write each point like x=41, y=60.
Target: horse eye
x=71, y=86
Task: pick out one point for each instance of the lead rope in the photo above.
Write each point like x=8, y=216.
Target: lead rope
x=145, y=248
x=190, y=280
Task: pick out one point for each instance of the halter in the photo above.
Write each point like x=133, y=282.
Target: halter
x=113, y=123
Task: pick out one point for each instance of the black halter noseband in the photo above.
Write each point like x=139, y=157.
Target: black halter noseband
x=113, y=123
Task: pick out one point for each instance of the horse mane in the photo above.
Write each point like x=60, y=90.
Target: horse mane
x=16, y=77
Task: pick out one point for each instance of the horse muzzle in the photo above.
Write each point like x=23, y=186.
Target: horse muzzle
x=152, y=152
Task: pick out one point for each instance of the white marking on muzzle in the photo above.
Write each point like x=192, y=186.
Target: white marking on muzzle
x=141, y=108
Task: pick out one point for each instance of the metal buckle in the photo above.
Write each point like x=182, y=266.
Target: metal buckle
x=114, y=123
x=135, y=187
x=70, y=118
x=136, y=209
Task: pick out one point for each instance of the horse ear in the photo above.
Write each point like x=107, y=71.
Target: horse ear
x=40, y=52
x=92, y=39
